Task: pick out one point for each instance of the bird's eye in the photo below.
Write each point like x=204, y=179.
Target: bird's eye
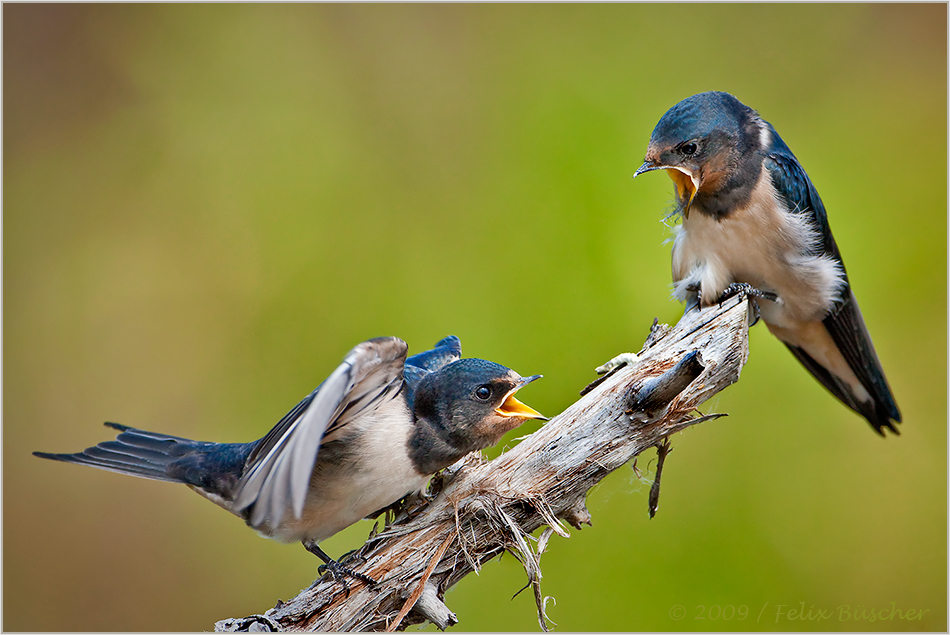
x=483, y=393
x=689, y=149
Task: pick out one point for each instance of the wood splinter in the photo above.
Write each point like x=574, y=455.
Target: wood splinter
x=662, y=450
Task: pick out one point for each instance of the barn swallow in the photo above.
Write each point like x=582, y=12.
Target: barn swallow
x=374, y=431
x=752, y=220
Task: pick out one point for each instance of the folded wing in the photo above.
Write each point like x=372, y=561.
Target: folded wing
x=844, y=322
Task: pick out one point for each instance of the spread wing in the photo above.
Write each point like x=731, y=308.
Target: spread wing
x=278, y=470
x=844, y=322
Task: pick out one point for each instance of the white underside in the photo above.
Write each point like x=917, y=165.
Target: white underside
x=342, y=494
x=771, y=249
x=340, y=497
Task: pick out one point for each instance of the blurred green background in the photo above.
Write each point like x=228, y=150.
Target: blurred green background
x=206, y=206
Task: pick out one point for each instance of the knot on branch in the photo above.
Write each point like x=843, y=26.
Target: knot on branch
x=431, y=607
x=653, y=396
x=578, y=514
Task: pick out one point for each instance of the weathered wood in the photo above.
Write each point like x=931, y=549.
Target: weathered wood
x=485, y=508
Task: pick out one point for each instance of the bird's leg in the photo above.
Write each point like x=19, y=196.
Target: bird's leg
x=694, y=296
x=746, y=289
x=338, y=570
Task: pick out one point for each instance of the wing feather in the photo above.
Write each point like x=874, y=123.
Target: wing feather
x=278, y=471
x=844, y=322
x=846, y=326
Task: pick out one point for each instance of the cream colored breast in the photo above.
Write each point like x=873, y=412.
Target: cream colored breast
x=760, y=244
x=356, y=479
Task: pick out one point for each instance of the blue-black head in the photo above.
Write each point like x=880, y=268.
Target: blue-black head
x=708, y=145
x=470, y=403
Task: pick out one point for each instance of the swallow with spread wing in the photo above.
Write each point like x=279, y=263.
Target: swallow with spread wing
x=374, y=431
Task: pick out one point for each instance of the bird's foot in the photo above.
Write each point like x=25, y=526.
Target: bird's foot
x=339, y=571
x=746, y=289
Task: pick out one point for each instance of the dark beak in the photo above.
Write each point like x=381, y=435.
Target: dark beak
x=686, y=184
x=648, y=166
x=527, y=380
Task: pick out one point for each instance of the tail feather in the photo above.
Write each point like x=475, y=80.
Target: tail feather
x=133, y=452
x=847, y=329
x=80, y=458
x=154, y=440
x=117, y=447
x=879, y=414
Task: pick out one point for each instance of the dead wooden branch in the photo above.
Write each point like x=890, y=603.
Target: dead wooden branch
x=483, y=509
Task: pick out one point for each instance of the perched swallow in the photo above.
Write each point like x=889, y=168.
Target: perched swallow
x=374, y=431
x=750, y=215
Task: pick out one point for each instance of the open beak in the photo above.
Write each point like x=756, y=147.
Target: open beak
x=686, y=184
x=511, y=407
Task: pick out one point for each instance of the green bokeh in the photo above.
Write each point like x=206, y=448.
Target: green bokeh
x=206, y=206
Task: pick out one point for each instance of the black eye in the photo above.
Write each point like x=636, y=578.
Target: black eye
x=483, y=393
x=689, y=148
